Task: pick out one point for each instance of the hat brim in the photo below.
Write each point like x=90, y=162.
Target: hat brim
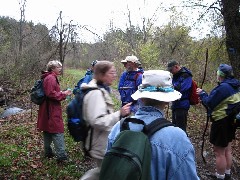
x=123, y=61
x=159, y=96
x=133, y=61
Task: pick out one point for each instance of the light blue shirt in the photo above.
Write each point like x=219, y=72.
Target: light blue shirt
x=173, y=155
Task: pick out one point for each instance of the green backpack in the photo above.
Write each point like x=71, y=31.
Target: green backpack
x=130, y=155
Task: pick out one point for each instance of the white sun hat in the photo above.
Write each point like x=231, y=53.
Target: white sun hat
x=123, y=61
x=132, y=58
x=157, y=84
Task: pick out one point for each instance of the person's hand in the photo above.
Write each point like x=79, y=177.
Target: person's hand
x=199, y=90
x=67, y=92
x=125, y=110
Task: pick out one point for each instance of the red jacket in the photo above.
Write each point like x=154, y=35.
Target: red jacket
x=50, y=111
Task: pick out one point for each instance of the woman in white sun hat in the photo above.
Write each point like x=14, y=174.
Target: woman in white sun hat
x=173, y=155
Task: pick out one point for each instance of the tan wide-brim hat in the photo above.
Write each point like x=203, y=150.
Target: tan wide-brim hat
x=123, y=61
x=132, y=58
x=157, y=84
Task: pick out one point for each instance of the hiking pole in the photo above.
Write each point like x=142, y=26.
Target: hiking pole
x=31, y=112
x=205, y=68
x=203, y=137
x=204, y=76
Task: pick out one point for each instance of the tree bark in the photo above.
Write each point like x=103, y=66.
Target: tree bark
x=231, y=14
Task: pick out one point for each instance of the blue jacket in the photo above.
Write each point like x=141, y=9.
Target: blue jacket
x=182, y=82
x=222, y=99
x=173, y=155
x=86, y=79
x=128, y=84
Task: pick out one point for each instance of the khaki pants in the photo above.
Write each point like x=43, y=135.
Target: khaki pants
x=93, y=174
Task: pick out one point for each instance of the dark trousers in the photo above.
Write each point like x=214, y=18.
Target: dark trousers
x=59, y=145
x=179, y=118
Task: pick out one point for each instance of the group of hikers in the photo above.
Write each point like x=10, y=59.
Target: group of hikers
x=144, y=96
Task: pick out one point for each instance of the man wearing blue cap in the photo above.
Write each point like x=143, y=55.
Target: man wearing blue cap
x=221, y=103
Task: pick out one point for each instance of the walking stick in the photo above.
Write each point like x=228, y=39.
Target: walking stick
x=204, y=132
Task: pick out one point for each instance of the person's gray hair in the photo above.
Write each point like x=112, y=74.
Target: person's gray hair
x=52, y=64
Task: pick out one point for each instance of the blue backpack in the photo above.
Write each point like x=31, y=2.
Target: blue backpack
x=78, y=128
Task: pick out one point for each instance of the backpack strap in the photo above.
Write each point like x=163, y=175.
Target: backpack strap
x=149, y=129
x=90, y=128
x=124, y=123
x=135, y=78
x=132, y=78
x=156, y=125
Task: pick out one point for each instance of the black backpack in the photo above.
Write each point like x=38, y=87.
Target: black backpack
x=37, y=94
x=235, y=114
x=130, y=155
x=77, y=126
x=236, y=121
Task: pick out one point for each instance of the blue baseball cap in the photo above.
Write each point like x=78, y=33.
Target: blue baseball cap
x=225, y=70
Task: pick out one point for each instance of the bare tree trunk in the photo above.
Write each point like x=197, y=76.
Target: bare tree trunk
x=61, y=47
x=66, y=34
x=231, y=16
x=21, y=23
x=130, y=29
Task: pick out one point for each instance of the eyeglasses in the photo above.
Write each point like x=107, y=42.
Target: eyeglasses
x=112, y=73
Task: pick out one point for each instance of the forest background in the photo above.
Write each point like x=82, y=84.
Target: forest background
x=25, y=49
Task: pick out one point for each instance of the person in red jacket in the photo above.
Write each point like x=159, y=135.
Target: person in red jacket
x=50, y=120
